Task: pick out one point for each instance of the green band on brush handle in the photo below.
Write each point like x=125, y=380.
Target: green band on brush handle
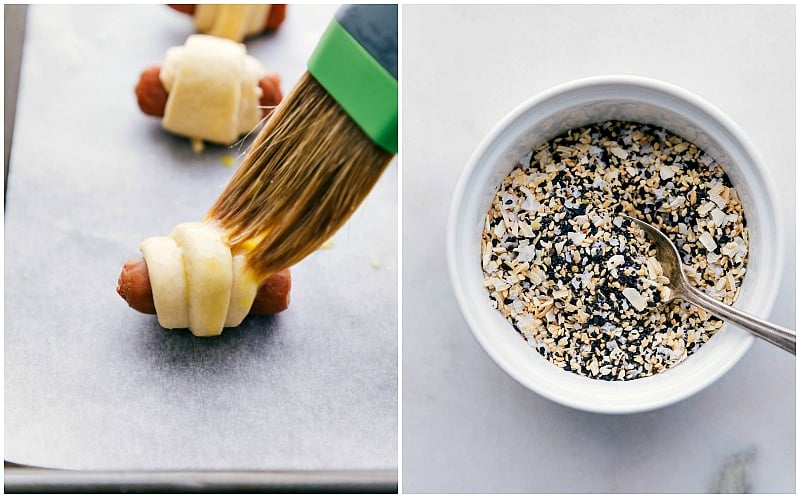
x=361, y=86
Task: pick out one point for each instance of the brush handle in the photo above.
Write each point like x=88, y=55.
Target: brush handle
x=375, y=28
x=351, y=69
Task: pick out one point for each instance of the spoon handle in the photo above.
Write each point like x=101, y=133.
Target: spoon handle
x=775, y=334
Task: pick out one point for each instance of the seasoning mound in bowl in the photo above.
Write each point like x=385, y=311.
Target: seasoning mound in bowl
x=579, y=282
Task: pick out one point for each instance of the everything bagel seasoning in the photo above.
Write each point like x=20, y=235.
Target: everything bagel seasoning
x=579, y=282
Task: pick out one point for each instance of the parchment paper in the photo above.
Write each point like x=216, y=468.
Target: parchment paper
x=91, y=384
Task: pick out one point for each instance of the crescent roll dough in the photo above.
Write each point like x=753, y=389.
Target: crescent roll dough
x=213, y=90
x=235, y=22
x=197, y=282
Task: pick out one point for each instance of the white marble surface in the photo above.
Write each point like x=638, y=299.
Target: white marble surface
x=467, y=426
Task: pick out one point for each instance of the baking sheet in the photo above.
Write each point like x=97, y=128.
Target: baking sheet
x=91, y=384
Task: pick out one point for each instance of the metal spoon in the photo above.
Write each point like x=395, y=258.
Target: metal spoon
x=667, y=254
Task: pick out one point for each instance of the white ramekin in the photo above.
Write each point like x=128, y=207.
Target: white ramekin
x=584, y=102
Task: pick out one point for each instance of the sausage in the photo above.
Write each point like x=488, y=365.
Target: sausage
x=277, y=13
x=186, y=8
x=152, y=96
x=134, y=287
x=150, y=93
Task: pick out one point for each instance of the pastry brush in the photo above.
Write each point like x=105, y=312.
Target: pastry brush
x=323, y=148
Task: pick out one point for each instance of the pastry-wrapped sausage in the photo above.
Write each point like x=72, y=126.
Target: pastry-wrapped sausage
x=134, y=287
x=193, y=279
x=152, y=96
x=208, y=90
x=235, y=22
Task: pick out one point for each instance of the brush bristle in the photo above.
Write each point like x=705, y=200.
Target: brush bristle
x=306, y=172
